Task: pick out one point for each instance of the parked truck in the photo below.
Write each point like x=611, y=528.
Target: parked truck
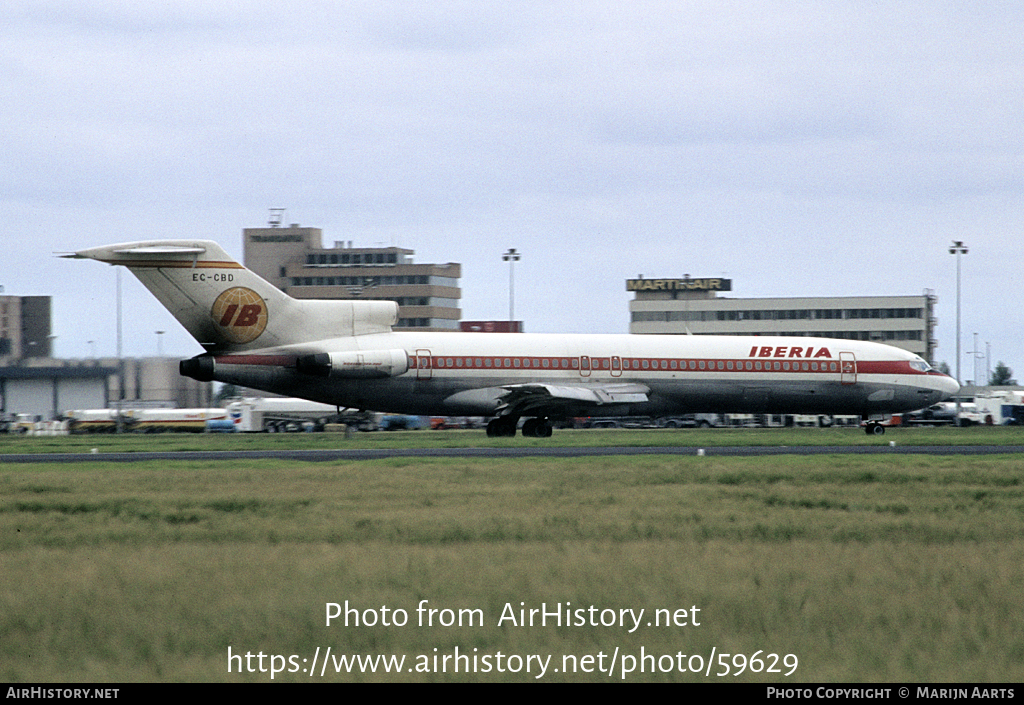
x=287, y=414
x=142, y=420
x=1002, y=408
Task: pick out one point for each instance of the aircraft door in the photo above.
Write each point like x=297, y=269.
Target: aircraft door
x=584, y=366
x=847, y=368
x=616, y=366
x=423, y=366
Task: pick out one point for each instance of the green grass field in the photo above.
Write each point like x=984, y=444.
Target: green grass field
x=892, y=568
x=975, y=435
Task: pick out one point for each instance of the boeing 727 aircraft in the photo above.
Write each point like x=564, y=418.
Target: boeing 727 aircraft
x=345, y=353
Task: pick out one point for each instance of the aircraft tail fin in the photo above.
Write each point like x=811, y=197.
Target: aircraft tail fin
x=226, y=307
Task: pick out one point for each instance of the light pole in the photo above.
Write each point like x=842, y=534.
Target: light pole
x=958, y=248
x=976, y=354
x=988, y=363
x=119, y=426
x=511, y=257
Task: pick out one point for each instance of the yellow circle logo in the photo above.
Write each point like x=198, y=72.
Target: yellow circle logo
x=240, y=314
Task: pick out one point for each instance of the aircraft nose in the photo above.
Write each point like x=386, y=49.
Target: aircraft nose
x=949, y=386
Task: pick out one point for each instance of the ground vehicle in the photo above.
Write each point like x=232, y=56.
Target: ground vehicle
x=400, y=422
x=691, y=421
x=289, y=414
x=142, y=420
x=19, y=424
x=934, y=415
x=613, y=422
x=440, y=423
x=93, y=420
x=1002, y=408
x=161, y=420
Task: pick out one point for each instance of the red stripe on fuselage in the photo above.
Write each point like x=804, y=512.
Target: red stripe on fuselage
x=625, y=366
x=630, y=365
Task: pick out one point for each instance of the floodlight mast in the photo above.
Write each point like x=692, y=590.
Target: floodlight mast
x=958, y=248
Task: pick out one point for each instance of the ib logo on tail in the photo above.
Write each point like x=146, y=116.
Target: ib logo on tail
x=240, y=314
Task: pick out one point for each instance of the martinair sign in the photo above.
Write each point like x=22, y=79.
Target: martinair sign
x=679, y=284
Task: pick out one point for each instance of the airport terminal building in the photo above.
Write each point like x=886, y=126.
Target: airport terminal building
x=24, y=328
x=294, y=259
x=693, y=305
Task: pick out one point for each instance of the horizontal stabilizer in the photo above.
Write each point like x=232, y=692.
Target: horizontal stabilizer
x=125, y=255
x=164, y=250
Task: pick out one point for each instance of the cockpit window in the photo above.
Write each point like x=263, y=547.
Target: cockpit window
x=920, y=365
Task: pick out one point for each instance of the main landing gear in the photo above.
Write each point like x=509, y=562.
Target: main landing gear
x=501, y=427
x=505, y=427
x=537, y=428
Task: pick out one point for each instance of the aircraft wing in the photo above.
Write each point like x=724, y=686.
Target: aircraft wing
x=540, y=399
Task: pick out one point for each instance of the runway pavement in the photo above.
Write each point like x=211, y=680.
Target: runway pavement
x=510, y=452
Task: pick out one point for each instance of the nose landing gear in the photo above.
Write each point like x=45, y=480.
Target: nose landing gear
x=873, y=428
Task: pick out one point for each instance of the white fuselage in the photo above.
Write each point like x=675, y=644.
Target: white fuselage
x=345, y=353
x=467, y=373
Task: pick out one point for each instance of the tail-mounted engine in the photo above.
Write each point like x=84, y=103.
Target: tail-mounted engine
x=364, y=364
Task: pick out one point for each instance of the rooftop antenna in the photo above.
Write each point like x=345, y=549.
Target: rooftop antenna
x=276, y=216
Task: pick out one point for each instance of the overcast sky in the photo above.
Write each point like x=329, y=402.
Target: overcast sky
x=798, y=148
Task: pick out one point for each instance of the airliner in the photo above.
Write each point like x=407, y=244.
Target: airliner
x=345, y=353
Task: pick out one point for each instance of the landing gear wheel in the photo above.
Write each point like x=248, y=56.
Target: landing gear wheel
x=874, y=429
x=537, y=428
x=502, y=427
